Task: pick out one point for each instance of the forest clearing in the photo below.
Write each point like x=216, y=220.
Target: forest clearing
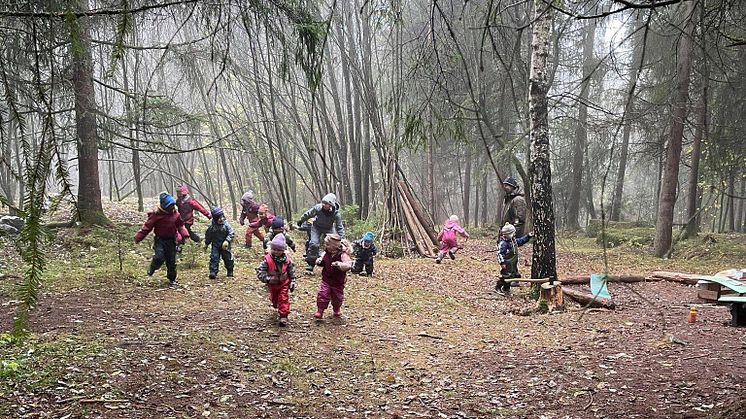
x=417, y=340
x=372, y=208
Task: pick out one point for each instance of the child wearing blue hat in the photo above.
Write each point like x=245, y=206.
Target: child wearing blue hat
x=364, y=250
x=278, y=227
x=220, y=235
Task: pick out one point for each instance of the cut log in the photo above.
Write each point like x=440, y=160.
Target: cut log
x=552, y=294
x=586, y=299
x=530, y=280
x=682, y=278
x=581, y=280
x=425, y=220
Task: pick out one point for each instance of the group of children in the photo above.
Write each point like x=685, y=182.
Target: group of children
x=172, y=220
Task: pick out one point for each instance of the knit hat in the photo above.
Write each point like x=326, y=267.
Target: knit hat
x=183, y=189
x=166, y=200
x=510, y=180
x=334, y=240
x=508, y=230
x=278, y=243
x=368, y=237
x=453, y=218
x=330, y=199
x=278, y=222
x=217, y=212
x=263, y=208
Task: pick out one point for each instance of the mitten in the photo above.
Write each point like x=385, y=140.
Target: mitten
x=225, y=245
x=292, y=286
x=242, y=222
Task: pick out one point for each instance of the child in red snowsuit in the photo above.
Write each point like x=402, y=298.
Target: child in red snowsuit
x=249, y=210
x=447, y=238
x=169, y=230
x=278, y=272
x=335, y=263
x=186, y=206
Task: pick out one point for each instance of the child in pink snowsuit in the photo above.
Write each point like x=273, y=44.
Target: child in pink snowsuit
x=447, y=238
x=264, y=219
x=335, y=263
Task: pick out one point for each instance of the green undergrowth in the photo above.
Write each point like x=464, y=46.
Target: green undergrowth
x=706, y=253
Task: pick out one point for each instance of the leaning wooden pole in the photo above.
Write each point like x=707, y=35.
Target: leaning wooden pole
x=417, y=231
x=425, y=220
x=412, y=227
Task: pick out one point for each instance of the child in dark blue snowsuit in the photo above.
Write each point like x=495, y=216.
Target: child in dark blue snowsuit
x=220, y=236
x=507, y=256
x=364, y=250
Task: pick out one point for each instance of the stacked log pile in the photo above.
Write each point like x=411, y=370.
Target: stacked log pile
x=420, y=226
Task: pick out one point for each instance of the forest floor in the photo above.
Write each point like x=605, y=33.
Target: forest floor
x=416, y=340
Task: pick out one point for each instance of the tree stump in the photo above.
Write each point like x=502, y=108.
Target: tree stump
x=552, y=294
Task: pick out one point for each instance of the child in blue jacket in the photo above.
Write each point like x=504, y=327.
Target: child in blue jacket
x=364, y=250
x=507, y=256
x=220, y=235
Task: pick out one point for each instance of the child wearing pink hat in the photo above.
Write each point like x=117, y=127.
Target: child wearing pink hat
x=278, y=272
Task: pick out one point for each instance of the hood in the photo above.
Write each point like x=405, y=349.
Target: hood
x=330, y=198
x=450, y=224
x=248, y=196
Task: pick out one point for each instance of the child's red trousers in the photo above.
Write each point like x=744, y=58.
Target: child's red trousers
x=279, y=295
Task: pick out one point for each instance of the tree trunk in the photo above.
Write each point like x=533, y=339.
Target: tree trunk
x=581, y=128
x=467, y=186
x=543, y=262
x=552, y=294
x=731, y=202
x=484, y=197
x=669, y=181
x=637, y=57
x=133, y=132
x=342, y=144
x=90, y=209
x=694, y=196
x=742, y=206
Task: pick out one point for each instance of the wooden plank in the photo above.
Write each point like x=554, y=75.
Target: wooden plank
x=733, y=284
x=708, y=295
x=732, y=299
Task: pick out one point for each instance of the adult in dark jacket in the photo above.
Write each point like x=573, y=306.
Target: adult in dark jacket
x=328, y=220
x=169, y=229
x=514, y=206
x=220, y=235
x=186, y=206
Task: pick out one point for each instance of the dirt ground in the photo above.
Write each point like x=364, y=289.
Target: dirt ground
x=416, y=340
